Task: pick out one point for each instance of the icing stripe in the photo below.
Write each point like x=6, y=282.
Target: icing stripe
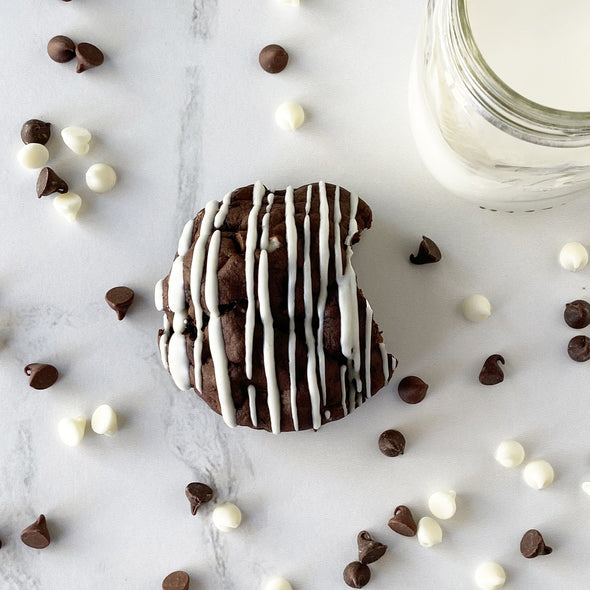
x=159, y=295
x=368, y=342
x=291, y=237
x=251, y=240
x=252, y=401
x=216, y=342
x=273, y=399
x=314, y=392
x=196, y=276
x=324, y=253
x=186, y=237
x=385, y=361
x=176, y=297
x=163, y=343
x=178, y=361
x=343, y=387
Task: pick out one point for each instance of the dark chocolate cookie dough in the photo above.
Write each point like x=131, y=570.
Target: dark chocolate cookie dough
x=262, y=313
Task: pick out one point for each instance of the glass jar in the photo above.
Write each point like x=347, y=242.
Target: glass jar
x=480, y=138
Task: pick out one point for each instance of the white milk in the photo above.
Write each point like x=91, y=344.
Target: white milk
x=463, y=149
x=540, y=48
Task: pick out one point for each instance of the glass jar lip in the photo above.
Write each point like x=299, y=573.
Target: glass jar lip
x=502, y=105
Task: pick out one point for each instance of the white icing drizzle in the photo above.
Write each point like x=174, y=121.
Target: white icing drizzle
x=350, y=337
x=251, y=240
x=164, y=342
x=159, y=295
x=264, y=237
x=216, y=342
x=178, y=363
x=314, y=392
x=222, y=213
x=368, y=341
x=291, y=237
x=343, y=388
x=186, y=237
x=385, y=361
x=252, y=403
x=196, y=276
x=268, y=348
x=324, y=253
x=347, y=299
x=176, y=297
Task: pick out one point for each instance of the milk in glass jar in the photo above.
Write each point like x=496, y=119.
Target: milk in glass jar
x=499, y=100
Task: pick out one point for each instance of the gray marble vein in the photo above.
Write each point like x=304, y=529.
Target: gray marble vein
x=189, y=148
x=203, y=14
x=16, y=476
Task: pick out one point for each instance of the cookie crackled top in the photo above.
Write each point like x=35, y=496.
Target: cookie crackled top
x=262, y=313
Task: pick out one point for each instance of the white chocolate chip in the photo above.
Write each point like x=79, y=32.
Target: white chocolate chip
x=509, y=453
x=290, y=116
x=443, y=504
x=77, y=139
x=538, y=474
x=227, y=517
x=586, y=487
x=429, y=532
x=490, y=576
x=33, y=156
x=573, y=256
x=100, y=178
x=71, y=430
x=68, y=205
x=278, y=584
x=104, y=420
x=476, y=308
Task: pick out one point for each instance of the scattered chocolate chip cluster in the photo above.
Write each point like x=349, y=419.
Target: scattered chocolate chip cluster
x=62, y=49
x=273, y=59
x=100, y=178
x=573, y=256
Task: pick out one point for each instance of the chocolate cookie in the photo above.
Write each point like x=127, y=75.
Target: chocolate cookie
x=262, y=313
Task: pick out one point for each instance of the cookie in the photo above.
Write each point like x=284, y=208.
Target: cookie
x=262, y=313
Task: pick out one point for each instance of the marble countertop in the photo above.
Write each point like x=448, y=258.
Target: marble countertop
x=184, y=113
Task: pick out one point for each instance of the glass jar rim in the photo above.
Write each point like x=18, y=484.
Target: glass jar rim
x=502, y=105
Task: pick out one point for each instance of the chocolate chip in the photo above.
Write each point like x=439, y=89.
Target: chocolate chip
x=491, y=373
x=197, y=494
x=369, y=549
x=402, y=522
x=89, y=56
x=273, y=59
x=579, y=348
x=357, y=574
x=577, y=314
x=392, y=443
x=61, y=49
x=532, y=544
x=120, y=299
x=176, y=581
x=41, y=376
x=428, y=252
x=49, y=182
x=412, y=389
x=36, y=535
x=35, y=131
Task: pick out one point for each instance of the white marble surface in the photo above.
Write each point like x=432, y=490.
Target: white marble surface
x=184, y=113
